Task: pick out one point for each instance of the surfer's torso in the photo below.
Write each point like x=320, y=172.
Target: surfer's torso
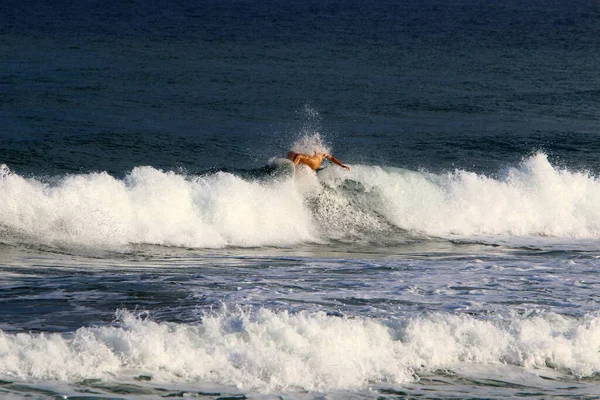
x=313, y=162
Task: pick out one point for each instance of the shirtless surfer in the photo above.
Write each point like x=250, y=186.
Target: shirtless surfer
x=313, y=161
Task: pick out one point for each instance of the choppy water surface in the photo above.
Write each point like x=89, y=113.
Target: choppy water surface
x=424, y=319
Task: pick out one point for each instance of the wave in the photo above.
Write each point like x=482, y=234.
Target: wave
x=268, y=350
x=369, y=203
x=532, y=199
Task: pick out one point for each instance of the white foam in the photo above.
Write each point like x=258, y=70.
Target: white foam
x=269, y=351
x=534, y=199
x=551, y=340
x=150, y=206
x=154, y=207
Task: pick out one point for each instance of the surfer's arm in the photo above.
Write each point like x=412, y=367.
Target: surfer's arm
x=336, y=161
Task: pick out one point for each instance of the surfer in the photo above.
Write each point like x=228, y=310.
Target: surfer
x=313, y=161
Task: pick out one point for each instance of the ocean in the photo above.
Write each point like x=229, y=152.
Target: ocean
x=148, y=250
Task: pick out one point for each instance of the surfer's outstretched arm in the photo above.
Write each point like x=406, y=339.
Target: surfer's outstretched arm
x=336, y=161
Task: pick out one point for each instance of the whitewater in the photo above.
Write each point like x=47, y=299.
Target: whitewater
x=149, y=249
x=435, y=319
x=249, y=209
x=370, y=283
x=272, y=351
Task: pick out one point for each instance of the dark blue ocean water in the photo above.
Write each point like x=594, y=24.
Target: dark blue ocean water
x=145, y=250
x=88, y=86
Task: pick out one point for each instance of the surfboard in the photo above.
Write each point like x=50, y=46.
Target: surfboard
x=281, y=168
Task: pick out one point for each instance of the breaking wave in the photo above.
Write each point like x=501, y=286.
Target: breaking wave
x=372, y=203
x=269, y=350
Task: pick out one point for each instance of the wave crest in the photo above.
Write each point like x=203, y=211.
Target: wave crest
x=370, y=203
